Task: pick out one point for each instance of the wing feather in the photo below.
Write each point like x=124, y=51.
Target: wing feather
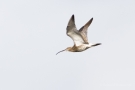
x=83, y=30
x=73, y=33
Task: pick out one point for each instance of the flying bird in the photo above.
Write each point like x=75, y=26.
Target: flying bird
x=79, y=37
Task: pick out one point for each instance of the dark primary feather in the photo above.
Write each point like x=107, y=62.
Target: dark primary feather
x=83, y=30
x=85, y=27
x=73, y=32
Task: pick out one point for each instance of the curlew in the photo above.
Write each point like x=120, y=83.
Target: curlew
x=79, y=37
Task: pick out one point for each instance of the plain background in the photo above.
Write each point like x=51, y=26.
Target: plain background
x=33, y=31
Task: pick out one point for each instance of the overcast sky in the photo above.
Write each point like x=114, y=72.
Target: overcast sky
x=33, y=31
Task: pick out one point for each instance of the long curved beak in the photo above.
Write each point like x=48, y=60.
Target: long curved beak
x=60, y=51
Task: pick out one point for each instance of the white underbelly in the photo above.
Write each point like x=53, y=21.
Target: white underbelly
x=83, y=47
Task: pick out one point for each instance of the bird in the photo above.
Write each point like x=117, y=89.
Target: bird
x=79, y=37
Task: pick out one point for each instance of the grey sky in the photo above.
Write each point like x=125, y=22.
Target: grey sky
x=33, y=31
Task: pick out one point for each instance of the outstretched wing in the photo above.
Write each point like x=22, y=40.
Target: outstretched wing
x=83, y=30
x=73, y=33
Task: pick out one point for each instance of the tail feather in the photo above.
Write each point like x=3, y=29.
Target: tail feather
x=96, y=44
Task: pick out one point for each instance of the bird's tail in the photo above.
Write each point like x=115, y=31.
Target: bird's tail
x=96, y=44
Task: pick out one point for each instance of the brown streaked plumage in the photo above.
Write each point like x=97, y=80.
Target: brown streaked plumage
x=78, y=36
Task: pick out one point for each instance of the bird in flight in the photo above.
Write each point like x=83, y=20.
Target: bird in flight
x=79, y=37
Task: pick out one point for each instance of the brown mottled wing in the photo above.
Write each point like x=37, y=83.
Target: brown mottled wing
x=73, y=33
x=83, y=30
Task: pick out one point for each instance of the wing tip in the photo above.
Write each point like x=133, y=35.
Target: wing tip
x=92, y=18
x=73, y=17
x=71, y=21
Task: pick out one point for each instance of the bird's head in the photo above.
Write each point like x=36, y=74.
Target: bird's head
x=67, y=49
